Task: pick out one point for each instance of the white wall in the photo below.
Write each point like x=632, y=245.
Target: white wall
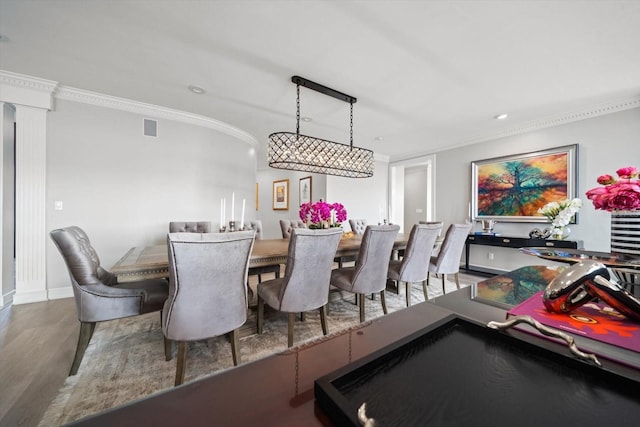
x=124, y=188
x=606, y=143
x=364, y=198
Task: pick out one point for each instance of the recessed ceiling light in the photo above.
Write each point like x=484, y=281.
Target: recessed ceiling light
x=196, y=89
x=501, y=116
x=378, y=138
x=306, y=119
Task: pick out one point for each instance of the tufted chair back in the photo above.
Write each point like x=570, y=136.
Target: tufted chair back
x=98, y=295
x=448, y=259
x=190, y=227
x=358, y=225
x=256, y=225
x=414, y=266
x=287, y=225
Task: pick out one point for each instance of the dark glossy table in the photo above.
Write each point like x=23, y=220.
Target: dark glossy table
x=278, y=390
x=572, y=256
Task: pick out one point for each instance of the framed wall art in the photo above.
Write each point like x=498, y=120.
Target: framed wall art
x=513, y=188
x=281, y=195
x=304, y=190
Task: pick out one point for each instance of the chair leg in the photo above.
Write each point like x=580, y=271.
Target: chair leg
x=443, y=280
x=235, y=349
x=169, y=349
x=259, y=316
x=383, y=301
x=86, y=332
x=361, y=304
x=323, y=319
x=292, y=318
x=424, y=289
x=302, y=316
x=408, y=292
x=180, y=364
x=457, y=277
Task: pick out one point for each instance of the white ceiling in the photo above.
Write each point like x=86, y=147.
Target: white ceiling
x=427, y=74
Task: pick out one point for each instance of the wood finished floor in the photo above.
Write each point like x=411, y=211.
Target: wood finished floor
x=37, y=344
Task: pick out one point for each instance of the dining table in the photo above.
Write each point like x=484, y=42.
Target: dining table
x=149, y=262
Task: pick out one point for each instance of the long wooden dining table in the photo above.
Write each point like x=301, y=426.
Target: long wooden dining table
x=147, y=262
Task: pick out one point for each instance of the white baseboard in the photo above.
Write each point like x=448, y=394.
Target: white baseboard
x=59, y=293
x=29, y=297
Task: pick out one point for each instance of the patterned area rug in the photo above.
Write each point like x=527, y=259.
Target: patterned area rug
x=125, y=359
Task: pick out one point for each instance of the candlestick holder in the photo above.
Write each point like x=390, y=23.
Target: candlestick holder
x=232, y=226
x=223, y=228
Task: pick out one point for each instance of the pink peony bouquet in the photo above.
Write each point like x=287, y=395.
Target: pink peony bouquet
x=322, y=214
x=621, y=194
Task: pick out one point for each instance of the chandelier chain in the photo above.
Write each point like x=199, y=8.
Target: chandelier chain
x=351, y=126
x=297, y=109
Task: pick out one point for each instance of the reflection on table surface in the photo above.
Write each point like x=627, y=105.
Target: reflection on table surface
x=511, y=288
x=577, y=255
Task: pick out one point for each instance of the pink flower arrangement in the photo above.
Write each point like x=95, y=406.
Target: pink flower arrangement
x=617, y=194
x=322, y=214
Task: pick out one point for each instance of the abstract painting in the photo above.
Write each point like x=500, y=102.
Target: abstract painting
x=513, y=188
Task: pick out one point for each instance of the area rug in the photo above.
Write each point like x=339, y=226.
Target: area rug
x=125, y=359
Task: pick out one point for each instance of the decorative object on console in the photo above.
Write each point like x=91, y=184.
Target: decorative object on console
x=621, y=197
x=294, y=151
x=322, y=214
x=513, y=188
x=536, y=233
x=561, y=214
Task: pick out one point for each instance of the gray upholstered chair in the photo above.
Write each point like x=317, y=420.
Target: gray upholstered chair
x=190, y=227
x=99, y=296
x=369, y=275
x=207, y=292
x=447, y=261
x=256, y=225
x=440, y=223
x=287, y=225
x=358, y=225
x=414, y=266
x=305, y=285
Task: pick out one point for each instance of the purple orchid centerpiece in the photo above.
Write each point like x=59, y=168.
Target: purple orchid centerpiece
x=322, y=214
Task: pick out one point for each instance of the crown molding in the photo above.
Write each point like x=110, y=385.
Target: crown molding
x=93, y=98
x=28, y=90
x=592, y=111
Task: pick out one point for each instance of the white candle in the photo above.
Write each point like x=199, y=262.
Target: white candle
x=242, y=216
x=233, y=201
x=221, y=212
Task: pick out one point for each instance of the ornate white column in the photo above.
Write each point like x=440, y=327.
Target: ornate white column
x=32, y=100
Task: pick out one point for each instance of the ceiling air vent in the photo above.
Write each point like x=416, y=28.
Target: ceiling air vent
x=150, y=127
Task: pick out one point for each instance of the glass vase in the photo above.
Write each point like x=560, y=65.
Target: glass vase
x=625, y=233
x=560, y=233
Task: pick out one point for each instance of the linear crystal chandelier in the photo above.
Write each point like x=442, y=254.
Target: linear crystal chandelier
x=298, y=152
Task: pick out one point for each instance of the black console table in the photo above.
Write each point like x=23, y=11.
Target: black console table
x=515, y=242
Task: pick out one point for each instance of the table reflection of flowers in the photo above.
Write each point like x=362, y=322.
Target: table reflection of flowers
x=560, y=215
x=322, y=214
x=622, y=194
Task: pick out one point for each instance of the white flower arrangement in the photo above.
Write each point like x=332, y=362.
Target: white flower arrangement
x=560, y=213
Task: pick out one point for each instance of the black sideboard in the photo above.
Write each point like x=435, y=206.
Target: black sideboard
x=515, y=242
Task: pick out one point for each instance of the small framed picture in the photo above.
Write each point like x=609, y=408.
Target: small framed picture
x=281, y=195
x=304, y=190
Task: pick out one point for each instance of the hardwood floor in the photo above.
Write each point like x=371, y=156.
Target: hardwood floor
x=37, y=344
